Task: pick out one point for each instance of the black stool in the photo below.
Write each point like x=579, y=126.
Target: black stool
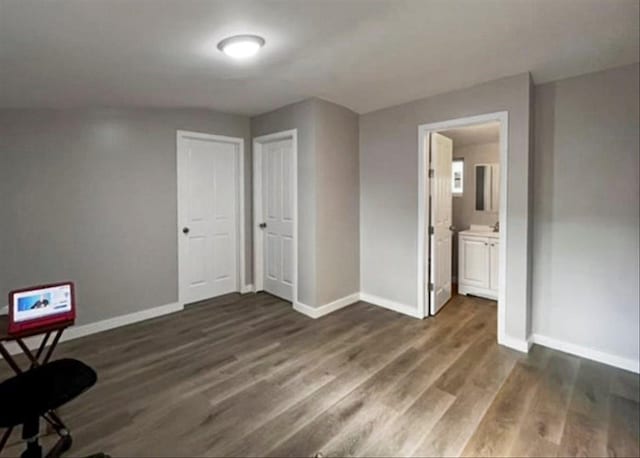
x=36, y=393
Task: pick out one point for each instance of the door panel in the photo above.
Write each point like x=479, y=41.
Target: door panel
x=287, y=261
x=273, y=258
x=441, y=219
x=287, y=181
x=277, y=194
x=224, y=265
x=208, y=252
x=197, y=269
x=474, y=256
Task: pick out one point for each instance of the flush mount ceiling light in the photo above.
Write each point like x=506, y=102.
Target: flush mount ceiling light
x=241, y=46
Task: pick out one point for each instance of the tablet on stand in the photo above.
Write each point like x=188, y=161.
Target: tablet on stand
x=41, y=307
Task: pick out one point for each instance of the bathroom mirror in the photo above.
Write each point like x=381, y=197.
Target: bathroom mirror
x=487, y=187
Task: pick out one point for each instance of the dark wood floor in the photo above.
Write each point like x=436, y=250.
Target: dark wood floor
x=248, y=376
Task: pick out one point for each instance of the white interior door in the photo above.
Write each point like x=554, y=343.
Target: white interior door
x=278, y=213
x=208, y=218
x=441, y=216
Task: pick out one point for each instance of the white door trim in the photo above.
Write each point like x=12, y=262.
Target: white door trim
x=181, y=136
x=258, y=236
x=423, y=130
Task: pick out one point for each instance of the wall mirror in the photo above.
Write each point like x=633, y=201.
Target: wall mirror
x=487, y=186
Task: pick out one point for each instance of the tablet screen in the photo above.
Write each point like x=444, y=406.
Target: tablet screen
x=40, y=303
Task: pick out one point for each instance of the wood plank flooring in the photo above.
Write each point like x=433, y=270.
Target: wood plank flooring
x=248, y=376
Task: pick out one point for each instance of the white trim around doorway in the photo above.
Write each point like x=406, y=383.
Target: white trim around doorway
x=258, y=236
x=423, y=130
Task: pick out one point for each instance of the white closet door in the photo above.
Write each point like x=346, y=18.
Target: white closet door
x=278, y=187
x=208, y=199
x=441, y=218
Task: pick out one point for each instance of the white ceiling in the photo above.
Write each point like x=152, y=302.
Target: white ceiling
x=362, y=54
x=473, y=135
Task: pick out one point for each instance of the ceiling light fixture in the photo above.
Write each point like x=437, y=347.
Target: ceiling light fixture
x=241, y=46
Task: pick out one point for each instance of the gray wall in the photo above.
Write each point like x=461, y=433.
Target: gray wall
x=328, y=216
x=389, y=190
x=586, y=208
x=338, y=214
x=91, y=196
x=300, y=116
x=464, y=206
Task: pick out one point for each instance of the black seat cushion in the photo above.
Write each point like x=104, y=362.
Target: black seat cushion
x=47, y=387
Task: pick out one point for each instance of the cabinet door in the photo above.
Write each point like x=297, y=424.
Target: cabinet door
x=474, y=261
x=494, y=257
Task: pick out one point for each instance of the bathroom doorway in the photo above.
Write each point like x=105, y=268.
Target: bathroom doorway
x=463, y=211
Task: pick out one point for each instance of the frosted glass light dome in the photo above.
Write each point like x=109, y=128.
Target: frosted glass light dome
x=241, y=46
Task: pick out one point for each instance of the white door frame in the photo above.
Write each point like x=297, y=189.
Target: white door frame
x=423, y=186
x=258, y=235
x=181, y=137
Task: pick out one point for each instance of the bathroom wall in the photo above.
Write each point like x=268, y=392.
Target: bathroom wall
x=464, y=210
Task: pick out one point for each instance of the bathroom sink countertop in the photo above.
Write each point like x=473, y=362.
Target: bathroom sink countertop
x=481, y=231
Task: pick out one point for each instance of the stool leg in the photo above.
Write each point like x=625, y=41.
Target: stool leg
x=30, y=431
x=5, y=438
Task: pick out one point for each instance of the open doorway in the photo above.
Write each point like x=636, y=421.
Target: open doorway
x=475, y=198
x=462, y=211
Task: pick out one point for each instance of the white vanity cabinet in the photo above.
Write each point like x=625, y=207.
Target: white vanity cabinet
x=478, y=263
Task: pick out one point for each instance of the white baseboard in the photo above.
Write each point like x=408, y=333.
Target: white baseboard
x=391, y=305
x=589, y=353
x=515, y=344
x=317, y=312
x=247, y=289
x=75, y=332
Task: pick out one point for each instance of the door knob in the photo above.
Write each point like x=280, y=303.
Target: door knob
x=262, y=225
x=185, y=230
